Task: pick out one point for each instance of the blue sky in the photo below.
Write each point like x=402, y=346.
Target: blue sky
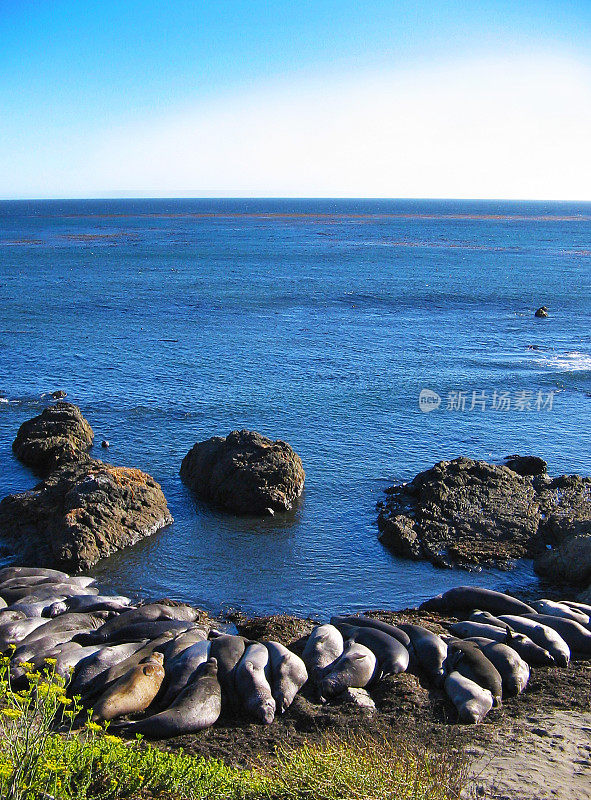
x=456, y=99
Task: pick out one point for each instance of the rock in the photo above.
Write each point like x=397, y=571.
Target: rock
x=541, y=312
x=461, y=513
x=469, y=513
x=81, y=513
x=59, y=435
x=564, y=542
x=244, y=473
x=105, y=443
x=59, y=394
x=526, y=465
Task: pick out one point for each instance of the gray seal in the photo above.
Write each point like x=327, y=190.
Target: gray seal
x=252, y=684
x=468, y=659
x=361, y=621
x=392, y=656
x=288, y=675
x=467, y=598
x=471, y=701
x=37, y=608
x=529, y=651
x=324, y=645
x=182, y=642
x=355, y=668
x=429, y=649
x=513, y=669
x=197, y=707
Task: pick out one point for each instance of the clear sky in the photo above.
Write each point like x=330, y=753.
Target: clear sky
x=364, y=98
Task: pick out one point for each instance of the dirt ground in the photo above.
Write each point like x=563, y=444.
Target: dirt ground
x=535, y=747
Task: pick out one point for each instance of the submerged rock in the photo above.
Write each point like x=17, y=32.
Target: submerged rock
x=541, y=312
x=59, y=435
x=244, y=473
x=81, y=513
x=470, y=513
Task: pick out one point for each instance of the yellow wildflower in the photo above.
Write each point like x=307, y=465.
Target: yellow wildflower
x=50, y=661
x=11, y=713
x=64, y=700
x=112, y=739
x=93, y=726
x=27, y=665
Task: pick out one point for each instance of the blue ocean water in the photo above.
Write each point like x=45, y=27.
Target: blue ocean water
x=318, y=322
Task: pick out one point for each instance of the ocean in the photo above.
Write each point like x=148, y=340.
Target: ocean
x=315, y=321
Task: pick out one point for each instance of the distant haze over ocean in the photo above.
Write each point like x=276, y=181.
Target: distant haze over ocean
x=315, y=321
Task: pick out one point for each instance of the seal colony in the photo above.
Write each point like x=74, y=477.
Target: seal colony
x=163, y=669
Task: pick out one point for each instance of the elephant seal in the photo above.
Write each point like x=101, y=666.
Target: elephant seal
x=542, y=634
x=325, y=644
x=353, y=669
x=514, y=671
x=430, y=651
x=554, y=609
x=44, y=591
x=392, y=656
x=133, y=691
x=16, y=632
x=252, y=685
x=37, y=608
x=3, y=603
x=152, y=612
x=585, y=608
x=575, y=635
x=7, y=573
x=67, y=622
x=466, y=598
x=469, y=660
x=134, y=632
x=227, y=651
x=39, y=580
x=182, y=642
x=181, y=670
x=108, y=677
x=11, y=615
x=87, y=603
x=531, y=653
x=288, y=675
x=471, y=701
x=362, y=621
x=94, y=664
x=197, y=707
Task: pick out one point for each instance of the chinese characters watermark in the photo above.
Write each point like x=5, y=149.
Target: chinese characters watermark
x=480, y=400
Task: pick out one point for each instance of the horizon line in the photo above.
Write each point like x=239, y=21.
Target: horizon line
x=223, y=196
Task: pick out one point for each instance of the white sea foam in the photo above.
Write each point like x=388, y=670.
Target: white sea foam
x=567, y=362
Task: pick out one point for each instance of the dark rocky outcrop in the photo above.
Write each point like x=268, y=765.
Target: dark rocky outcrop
x=244, y=473
x=564, y=548
x=82, y=512
x=541, y=312
x=59, y=435
x=470, y=513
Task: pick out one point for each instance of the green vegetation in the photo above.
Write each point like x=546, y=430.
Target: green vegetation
x=38, y=763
